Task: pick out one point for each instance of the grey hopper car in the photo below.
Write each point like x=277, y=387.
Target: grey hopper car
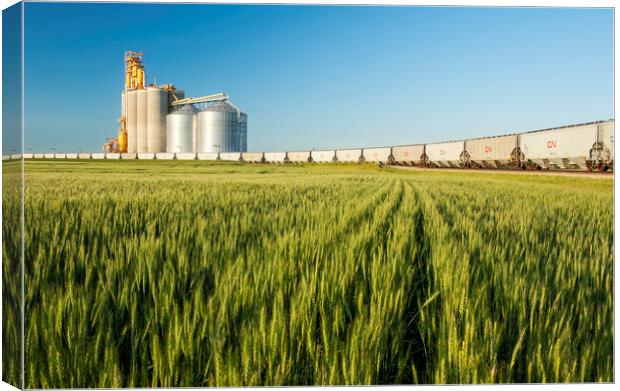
x=566, y=147
x=231, y=156
x=164, y=156
x=409, y=155
x=603, y=153
x=185, y=156
x=449, y=154
x=251, y=157
x=349, y=155
x=323, y=156
x=494, y=152
x=298, y=156
x=146, y=156
x=207, y=156
x=377, y=155
x=275, y=157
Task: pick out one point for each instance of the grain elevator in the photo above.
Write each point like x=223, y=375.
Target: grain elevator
x=159, y=118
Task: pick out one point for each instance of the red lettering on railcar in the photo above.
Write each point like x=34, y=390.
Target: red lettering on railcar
x=442, y=151
x=552, y=144
x=487, y=149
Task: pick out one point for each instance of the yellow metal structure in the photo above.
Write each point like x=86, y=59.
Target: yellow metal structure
x=122, y=137
x=134, y=70
x=134, y=79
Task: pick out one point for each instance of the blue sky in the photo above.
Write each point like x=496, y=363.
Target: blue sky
x=322, y=77
x=11, y=79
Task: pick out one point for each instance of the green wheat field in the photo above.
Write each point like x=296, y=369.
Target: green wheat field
x=141, y=274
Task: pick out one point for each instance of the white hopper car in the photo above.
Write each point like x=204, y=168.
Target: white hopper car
x=587, y=146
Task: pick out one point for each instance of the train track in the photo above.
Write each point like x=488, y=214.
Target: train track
x=583, y=174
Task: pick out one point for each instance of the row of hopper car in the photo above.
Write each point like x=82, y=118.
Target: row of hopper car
x=588, y=146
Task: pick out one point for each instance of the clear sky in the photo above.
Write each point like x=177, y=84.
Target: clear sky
x=322, y=77
x=11, y=79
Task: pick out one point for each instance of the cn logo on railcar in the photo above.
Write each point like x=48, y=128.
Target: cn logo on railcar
x=552, y=144
x=488, y=149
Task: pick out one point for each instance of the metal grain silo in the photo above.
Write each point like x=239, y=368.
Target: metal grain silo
x=216, y=128
x=157, y=108
x=141, y=123
x=180, y=126
x=194, y=124
x=243, y=132
x=132, y=136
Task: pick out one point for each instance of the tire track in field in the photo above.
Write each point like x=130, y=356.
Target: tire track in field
x=422, y=296
x=403, y=233
x=372, y=247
